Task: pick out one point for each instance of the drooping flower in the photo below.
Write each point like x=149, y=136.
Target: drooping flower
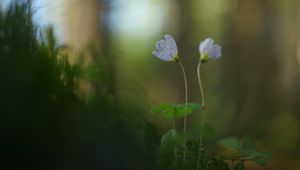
x=166, y=49
x=209, y=51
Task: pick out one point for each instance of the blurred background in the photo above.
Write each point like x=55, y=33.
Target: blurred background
x=253, y=89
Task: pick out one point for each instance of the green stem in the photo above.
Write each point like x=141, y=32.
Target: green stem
x=200, y=86
x=185, y=116
x=203, y=115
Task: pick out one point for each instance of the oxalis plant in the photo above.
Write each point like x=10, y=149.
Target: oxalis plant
x=183, y=150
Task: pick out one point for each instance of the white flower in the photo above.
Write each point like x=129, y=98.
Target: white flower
x=166, y=49
x=209, y=51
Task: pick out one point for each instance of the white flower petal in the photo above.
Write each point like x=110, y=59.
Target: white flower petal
x=165, y=55
x=166, y=49
x=160, y=45
x=216, y=53
x=209, y=51
x=155, y=53
x=172, y=42
x=206, y=45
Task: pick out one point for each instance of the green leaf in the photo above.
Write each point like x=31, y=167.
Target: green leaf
x=250, y=150
x=169, y=112
x=191, y=106
x=194, y=106
x=261, y=158
x=161, y=107
x=170, y=139
x=245, y=149
x=231, y=143
x=181, y=109
x=175, y=110
x=247, y=144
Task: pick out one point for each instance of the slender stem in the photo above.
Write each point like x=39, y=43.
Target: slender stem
x=200, y=86
x=185, y=116
x=203, y=115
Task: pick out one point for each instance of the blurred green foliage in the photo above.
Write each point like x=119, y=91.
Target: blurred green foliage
x=44, y=124
x=244, y=150
x=174, y=111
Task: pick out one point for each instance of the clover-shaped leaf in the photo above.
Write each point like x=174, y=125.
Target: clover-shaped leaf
x=161, y=107
x=244, y=149
x=261, y=158
x=175, y=110
x=170, y=139
x=231, y=143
